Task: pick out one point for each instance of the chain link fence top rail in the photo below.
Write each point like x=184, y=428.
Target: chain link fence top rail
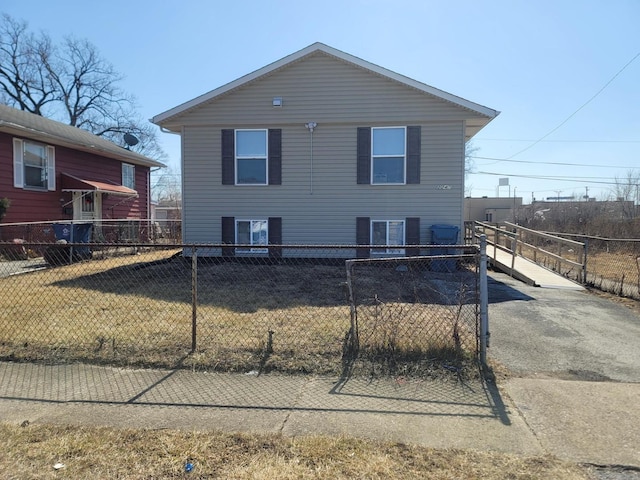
x=151, y=306
x=113, y=232
x=613, y=265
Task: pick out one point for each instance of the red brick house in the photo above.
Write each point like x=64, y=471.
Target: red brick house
x=51, y=171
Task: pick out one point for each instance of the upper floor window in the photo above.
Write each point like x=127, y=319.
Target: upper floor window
x=251, y=157
x=129, y=176
x=33, y=165
x=388, y=155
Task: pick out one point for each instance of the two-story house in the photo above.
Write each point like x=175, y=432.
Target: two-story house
x=322, y=147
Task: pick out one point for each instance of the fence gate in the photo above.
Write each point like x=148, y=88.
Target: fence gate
x=414, y=315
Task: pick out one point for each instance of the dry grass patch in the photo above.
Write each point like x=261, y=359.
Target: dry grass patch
x=30, y=452
x=291, y=318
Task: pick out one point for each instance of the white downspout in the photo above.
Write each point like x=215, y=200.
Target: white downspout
x=311, y=126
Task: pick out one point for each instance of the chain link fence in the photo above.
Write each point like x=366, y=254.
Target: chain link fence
x=153, y=306
x=20, y=239
x=414, y=315
x=613, y=265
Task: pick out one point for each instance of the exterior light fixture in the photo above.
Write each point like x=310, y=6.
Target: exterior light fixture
x=277, y=101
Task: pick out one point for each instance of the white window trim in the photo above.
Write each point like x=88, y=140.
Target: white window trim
x=18, y=166
x=404, y=156
x=126, y=166
x=252, y=249
x=387, y=251
x=266, y=157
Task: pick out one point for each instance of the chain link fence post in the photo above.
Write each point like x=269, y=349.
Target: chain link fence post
x=484, y=301
x=585, y=257
x=194, y=298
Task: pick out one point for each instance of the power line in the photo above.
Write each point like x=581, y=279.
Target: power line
x=579, y=108
x=552, y=141
x=594, y=180
x=548, y=163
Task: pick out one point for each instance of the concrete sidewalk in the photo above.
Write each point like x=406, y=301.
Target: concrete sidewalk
x=535, y=417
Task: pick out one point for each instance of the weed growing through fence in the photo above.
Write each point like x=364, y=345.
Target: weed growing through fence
x=411, y=318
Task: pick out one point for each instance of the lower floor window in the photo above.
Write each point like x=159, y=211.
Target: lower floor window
x=387, y=232
x=252, y=232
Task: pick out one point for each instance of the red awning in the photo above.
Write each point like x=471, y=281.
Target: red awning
x=75, y=184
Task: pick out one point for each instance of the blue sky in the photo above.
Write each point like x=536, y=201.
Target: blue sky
x=537, y=62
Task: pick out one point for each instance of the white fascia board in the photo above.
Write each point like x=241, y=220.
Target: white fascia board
x=488, y=112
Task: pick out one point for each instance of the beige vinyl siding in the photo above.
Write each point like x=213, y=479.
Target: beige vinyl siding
x=327, y=213
x=340, y=98
x=323, y=89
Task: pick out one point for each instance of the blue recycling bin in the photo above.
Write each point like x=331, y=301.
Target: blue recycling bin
x=81, y=234
x=444, y=235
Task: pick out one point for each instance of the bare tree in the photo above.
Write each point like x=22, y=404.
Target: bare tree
x=626, y=186
x=166, y=187
x=24, y=78
x=70, y=82
x=626, y=190
x=469, y=165
x=469, y=151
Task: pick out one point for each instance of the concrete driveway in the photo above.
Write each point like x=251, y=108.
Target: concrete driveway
x=16, y=267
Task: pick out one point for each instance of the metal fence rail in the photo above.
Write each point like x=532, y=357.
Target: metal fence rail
x=95, y=231
x=608, y=264
x=613, y=265
x=148, y=305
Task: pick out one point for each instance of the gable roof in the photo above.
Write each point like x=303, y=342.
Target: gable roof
x=34, y=127
x=486, y=112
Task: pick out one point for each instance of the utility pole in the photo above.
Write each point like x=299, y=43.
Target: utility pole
x=586, y=196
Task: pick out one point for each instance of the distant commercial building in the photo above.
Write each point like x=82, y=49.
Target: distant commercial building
x=491, y=209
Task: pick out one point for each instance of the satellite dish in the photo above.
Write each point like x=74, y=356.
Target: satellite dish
x=130, y=140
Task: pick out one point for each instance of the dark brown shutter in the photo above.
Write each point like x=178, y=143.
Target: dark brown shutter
x=228, y=235
x=412, y=235
x=363, y=236
x=364, y=156
x=413, y=154
x=275, y=157
x=275, y=236
x=228, y=157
